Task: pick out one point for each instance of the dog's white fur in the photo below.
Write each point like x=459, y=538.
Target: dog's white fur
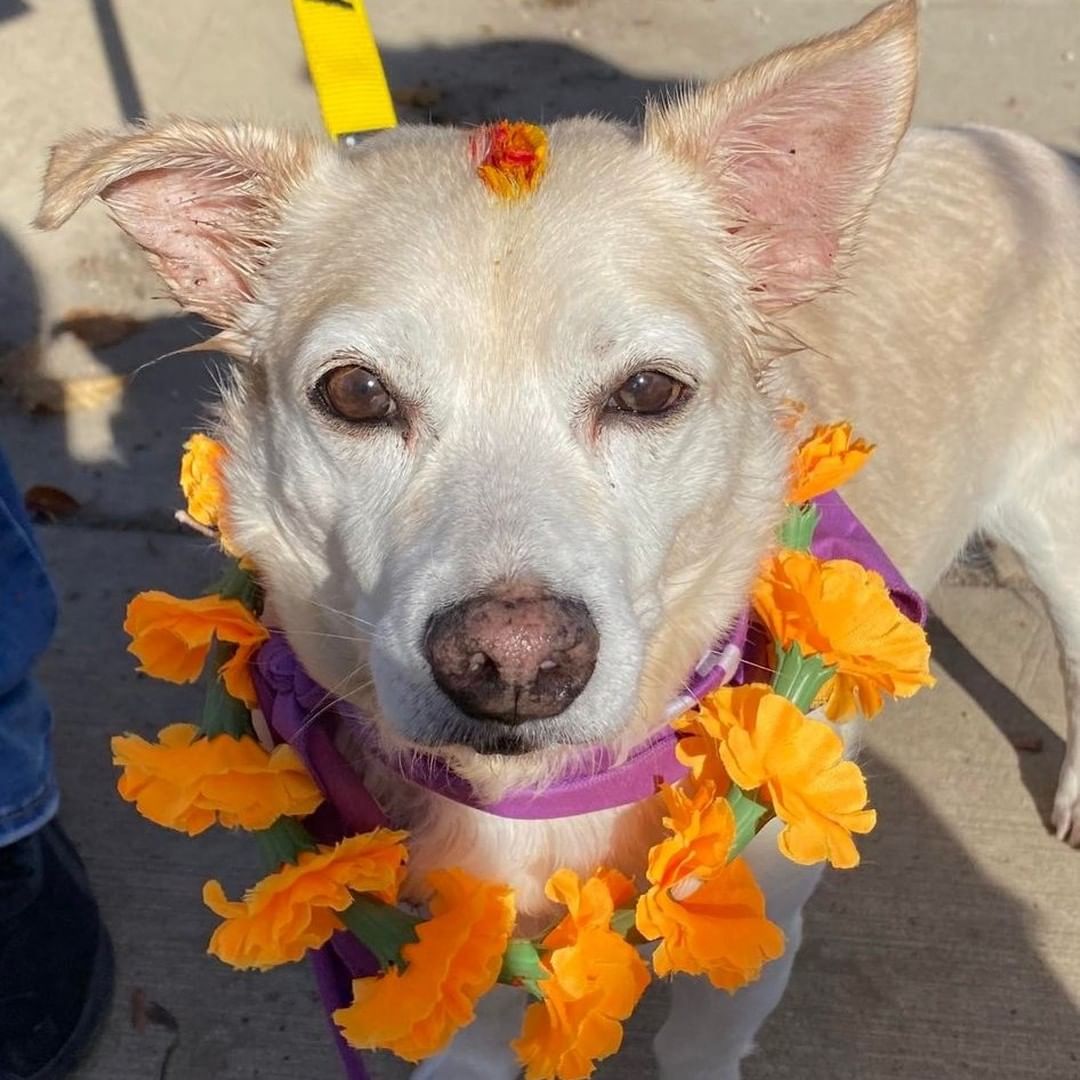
x=759, y=241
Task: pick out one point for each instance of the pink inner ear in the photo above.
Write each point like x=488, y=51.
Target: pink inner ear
x=798, y=165
x=200, y=232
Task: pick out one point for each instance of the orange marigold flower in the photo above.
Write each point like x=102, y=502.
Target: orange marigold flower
x=295, y=909
x=511, y=157
x=696, y=749
x=236, y=671
x=842, y=612
x=188, y=783
x=596, y=979
x=200, y=479
x=203, y=487
x=702, y=828
x=826, y=460
x=708, y=913
x=172, y=638
x=588, y=905
x=764, y=741
x=845, y=696
x=416, y=1012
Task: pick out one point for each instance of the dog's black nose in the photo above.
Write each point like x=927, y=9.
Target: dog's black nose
x=515, y=653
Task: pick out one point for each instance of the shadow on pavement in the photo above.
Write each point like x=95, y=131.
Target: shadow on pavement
x=916, y=966
x=125, y=85
x=10, y=8
x=1039, y=749
x=533, y=80
x=95, y=404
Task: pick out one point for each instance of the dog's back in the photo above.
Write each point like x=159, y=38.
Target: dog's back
x=954, y=341
x=953, y=338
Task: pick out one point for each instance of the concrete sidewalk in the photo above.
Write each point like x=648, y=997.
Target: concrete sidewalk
x=953, y=951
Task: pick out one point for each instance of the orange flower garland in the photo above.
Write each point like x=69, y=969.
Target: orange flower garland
x=200, y=479
x=203, y=487
x=752, y=754
x=416, y=1012
x=708, y=913
x=172, y=638
x=761, y=740
x=188, y=783
x=296, y=908
x=595, y=979
x=842, y=612
x=826, y=460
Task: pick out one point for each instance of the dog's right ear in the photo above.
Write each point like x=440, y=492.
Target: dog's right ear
x=202, y=200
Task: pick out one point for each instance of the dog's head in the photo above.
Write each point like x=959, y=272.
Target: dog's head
x=508, y=467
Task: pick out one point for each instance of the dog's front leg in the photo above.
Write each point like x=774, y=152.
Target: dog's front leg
x=482, y=1051
x=709, y=1031
x=1039, y=519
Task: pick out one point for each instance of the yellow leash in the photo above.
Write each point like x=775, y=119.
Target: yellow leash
x=345, y=66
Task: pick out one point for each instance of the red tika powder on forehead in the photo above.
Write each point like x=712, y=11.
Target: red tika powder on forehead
x=510, y=158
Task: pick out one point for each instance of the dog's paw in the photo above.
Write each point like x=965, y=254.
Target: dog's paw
x=1066, y=815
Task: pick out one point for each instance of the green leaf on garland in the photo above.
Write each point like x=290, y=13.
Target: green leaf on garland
x=796, y=532
x=622, y=922
x=284, y=842
x=384, y=928
x=222, y=713
x=748, y=815
x=800, y=678
x=521, y=966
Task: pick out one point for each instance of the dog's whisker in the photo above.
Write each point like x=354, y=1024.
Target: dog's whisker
x=337, y=611
x=329, y=699
x=760, y=667
x=335, y=700
x=359, y=639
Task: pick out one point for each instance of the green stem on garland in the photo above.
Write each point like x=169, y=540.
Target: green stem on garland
x=284, y=842
x=749, y=816
x=239, y=584
x=796, y=531
x=382, y=928
x=622, y=922
x=521, y=966
x=800, y=678
x=222, y=713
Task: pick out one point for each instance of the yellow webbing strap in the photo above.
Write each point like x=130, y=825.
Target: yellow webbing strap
x=345, y=67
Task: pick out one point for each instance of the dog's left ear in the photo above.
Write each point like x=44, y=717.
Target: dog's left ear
x=795, y=146
x=203, y=201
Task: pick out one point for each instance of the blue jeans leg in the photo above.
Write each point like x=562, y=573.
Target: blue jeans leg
x=28, y=793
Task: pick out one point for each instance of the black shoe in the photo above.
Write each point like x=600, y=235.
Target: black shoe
x=56, y=962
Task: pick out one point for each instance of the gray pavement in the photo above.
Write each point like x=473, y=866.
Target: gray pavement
x=953, y=952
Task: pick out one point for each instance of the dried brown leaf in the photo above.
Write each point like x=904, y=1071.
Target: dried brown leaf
x=50, y=503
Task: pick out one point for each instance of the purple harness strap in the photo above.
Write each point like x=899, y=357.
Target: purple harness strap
x=288, y=697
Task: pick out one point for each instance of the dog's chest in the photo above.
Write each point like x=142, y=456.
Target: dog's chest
x=521, y=853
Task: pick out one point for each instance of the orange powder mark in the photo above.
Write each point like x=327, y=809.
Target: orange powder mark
x=510, y=158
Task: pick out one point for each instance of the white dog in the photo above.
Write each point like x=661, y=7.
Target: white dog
x=565, y=408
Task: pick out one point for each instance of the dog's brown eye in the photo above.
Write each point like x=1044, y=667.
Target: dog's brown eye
x=648, y=393
x=356, y=394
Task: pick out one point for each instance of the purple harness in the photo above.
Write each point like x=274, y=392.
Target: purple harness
x=288, y=696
